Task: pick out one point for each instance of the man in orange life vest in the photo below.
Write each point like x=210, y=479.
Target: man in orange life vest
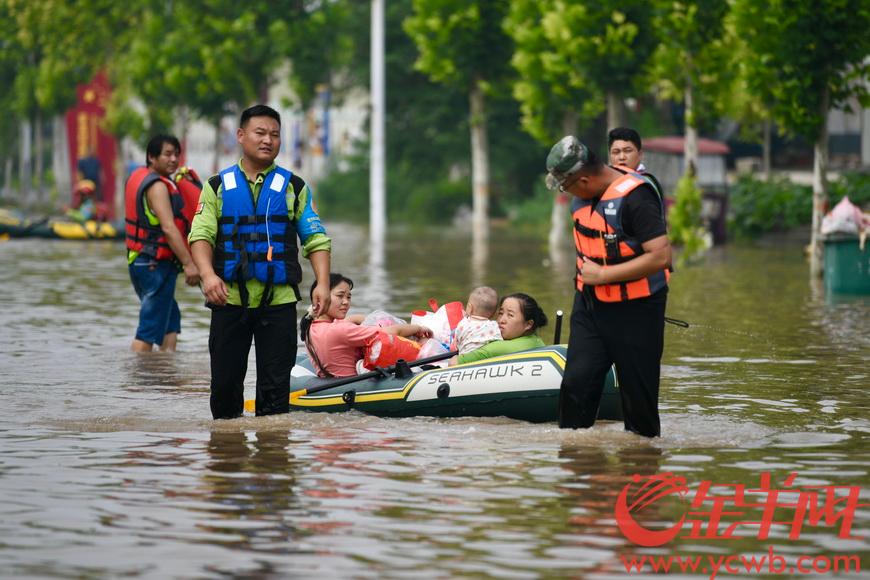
x=623, y=255
x=157, y=226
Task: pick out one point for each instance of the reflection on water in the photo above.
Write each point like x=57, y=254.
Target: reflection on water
x=114, y=467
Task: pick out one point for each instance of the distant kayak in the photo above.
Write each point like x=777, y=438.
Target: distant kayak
x=59, y=229
x=523, y=386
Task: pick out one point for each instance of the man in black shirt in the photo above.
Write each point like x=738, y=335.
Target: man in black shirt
x=626, y=149
x=623, y=254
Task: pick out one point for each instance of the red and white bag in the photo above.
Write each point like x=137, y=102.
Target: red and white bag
x=441, y=320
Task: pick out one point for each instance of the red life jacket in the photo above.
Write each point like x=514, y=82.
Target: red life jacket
x=143, y=237
x=598, y=235
x=385, y=349
x=189, y=186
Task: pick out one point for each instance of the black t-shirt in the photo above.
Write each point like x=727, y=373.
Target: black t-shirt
x=642, y=217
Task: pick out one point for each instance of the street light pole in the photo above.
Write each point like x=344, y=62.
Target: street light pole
x=377, y=181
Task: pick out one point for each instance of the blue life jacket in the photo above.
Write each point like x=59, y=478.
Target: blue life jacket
x=256, y=240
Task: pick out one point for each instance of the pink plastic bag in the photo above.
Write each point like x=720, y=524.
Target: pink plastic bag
x=846, y=218
x=381, y=318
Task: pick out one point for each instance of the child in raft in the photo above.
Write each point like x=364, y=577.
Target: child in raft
x=478, y=328
x=519, y=319
x=336, y=341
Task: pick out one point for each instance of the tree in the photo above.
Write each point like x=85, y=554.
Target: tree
x=555, y=97
x=566, y=79
x=51, y=47
x=209, y=58
x=692, y=63
x=428, y=158
x=574, y=73
x=462, y=44
x=819, y=52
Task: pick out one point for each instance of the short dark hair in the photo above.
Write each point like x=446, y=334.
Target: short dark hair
x=593, y=166
x=155, y=146
x=530, y=308
x=259, y=111
x=624, y=134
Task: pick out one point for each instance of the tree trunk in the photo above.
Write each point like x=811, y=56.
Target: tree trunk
x=690, y=147
x=558, y=223
x=183, y=121
x=25, y=166
x=570, y=121
x=215, y=163
x=820, y=188
x=39, y=161
x=7, y=178
x=765, y=149
x=60, y=160
x=479, y=162
x=263, y=92
x=615, y=111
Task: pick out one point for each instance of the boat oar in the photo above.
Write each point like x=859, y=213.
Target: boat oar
x=557, y=334
x=379, y=372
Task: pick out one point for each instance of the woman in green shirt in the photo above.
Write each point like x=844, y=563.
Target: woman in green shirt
x=519, y=318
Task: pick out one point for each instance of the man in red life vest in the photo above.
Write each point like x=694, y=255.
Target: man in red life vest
x=623, y=256
x=157, y=231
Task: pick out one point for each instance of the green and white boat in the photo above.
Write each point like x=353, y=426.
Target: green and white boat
x=523, y=386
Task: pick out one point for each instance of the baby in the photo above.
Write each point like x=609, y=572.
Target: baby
x=476, y=329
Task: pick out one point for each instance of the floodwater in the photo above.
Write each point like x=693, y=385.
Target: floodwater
x=112, y=467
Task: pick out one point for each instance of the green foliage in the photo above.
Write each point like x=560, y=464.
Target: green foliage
x=460, y=42
x=801, y=54
x=532, y=215
x=60, y=45
x=695, y=53
x=428, y=149
x=757, y=206
x=684, y=218
x=214, y=57
x=343, y=194
x=564, y=74
x=413, y=197
x=551, y=92
x=855, y=184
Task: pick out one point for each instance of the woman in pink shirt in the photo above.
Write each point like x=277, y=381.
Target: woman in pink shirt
x=336, y=341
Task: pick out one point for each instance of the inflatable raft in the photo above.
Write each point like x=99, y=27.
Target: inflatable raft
x=60, y=229
x=523, y=386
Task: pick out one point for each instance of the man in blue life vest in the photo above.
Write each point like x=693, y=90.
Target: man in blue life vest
x=243, y=240
x=623, y=255
x=156, y=231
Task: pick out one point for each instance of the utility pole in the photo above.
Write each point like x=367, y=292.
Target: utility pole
x=377, y=180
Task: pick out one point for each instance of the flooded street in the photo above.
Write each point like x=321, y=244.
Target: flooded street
x=111, y=465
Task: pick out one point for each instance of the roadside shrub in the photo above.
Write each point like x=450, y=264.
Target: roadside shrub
x=684, y=218
x=757, y=206
x=413, y=195
x=532, y=215
x=855, y=184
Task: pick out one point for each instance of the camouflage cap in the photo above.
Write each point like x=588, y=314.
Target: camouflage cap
x=567, y=157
